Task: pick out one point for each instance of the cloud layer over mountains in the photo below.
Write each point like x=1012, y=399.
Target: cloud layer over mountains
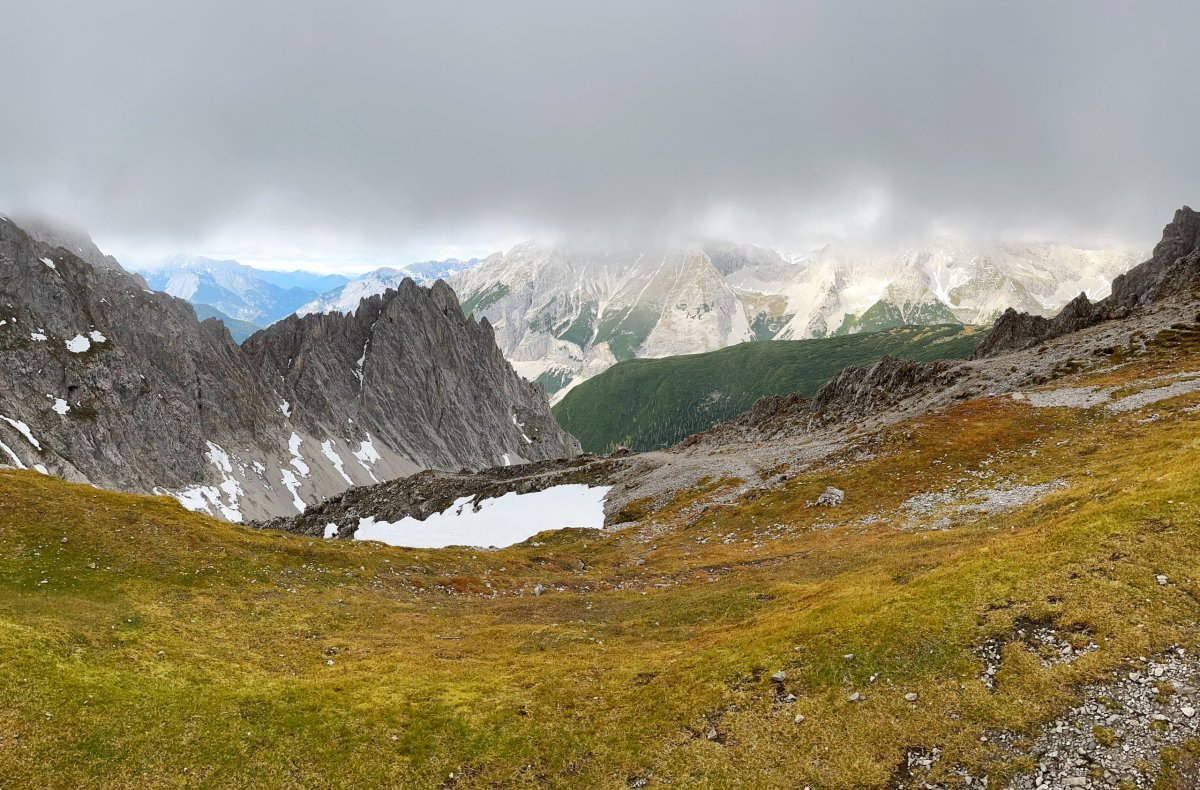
x=776, y=121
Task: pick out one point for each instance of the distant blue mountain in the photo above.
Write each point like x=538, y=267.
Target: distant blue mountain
x=239, y=291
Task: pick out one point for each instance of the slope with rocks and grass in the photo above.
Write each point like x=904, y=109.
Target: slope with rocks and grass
x=645, y=404
x=990, y=560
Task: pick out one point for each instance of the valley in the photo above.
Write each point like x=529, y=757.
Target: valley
x=911, y=578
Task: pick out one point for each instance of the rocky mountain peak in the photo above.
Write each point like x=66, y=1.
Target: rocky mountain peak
x=122, y=387
x=1173, y=268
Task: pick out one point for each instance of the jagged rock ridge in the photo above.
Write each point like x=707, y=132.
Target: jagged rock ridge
x=106, y=382
x=1173, y=268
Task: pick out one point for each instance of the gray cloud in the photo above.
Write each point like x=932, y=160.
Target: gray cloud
x=386, y=121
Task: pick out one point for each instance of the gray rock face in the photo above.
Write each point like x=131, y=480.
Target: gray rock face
x=104, y=382
x=1174, y=268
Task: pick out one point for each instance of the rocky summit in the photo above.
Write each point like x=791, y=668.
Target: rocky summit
x=1173, y=269
x=109, y=383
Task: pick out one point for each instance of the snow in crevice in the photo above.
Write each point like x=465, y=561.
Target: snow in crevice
x=506, y=460
x=286, y=408
x=292, y=484
x=521, y=428
x=368, y=455
x=328, y=451
x=49, y=263
x=499, y=522
x=24, y=430
x=358, y=365
x=9, y=452
x=297, y=459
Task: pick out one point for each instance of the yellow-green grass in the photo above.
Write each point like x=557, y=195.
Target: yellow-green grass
x=196, y=652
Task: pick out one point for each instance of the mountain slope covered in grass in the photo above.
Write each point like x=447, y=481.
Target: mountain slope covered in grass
x=645, y=404
x=716, y=641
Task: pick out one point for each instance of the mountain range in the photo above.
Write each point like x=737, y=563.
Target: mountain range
x=562, y=315
x=246, y=298
x=110, y=383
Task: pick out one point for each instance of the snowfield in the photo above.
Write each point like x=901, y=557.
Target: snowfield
x=499, y=522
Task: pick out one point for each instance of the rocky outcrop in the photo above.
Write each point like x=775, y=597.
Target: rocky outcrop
x=105, y=382
x=862, y=390
x=421, y=495
x=1173, y=269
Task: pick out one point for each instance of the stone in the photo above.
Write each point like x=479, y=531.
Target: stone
x=910, y=696
x=779, y=676
x=855, y=697
x=799, y=718
x=831, y=497
x=1188, y=711
x=1161, y=579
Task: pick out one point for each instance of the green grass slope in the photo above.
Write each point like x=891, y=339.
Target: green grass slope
x=646, y=404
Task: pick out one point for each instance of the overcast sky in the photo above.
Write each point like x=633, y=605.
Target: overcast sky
x=365, y=132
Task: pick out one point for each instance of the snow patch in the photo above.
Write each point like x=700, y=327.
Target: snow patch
x=60, y=405
x=23, y=428
x=78, y=344
x=292, y=484
x=49, y=263
x=328, y=451
x=498, y=522
x=9, y=451
x=331, y=531
x=297, y=459
x=521, y=428
x=97, y=337
x=38, y=336
x=367, y=455
x=286, y=408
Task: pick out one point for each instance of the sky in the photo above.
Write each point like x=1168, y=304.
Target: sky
x=336, y=136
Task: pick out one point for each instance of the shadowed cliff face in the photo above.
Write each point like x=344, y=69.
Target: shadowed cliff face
x=1174, y=268
x=105, y=382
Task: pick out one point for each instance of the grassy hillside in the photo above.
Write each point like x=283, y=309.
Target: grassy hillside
x=144, y=646
x=650, y=403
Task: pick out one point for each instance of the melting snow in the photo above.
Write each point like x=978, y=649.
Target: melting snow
x=97, y=337
x=221, y=498
x=331, y=454
x=16, y=461
x=507, y=461
x=292, y=484
x=358, y=366
x=49, y=263
x=499, y=522
x=331, y=530
x=78, y=344
x=286, y=408
x=521, y=428
x=297, y=459
x=60, y=405
x=23, y=428
x=40, y=468
x=367, y=455
x=38, y=336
